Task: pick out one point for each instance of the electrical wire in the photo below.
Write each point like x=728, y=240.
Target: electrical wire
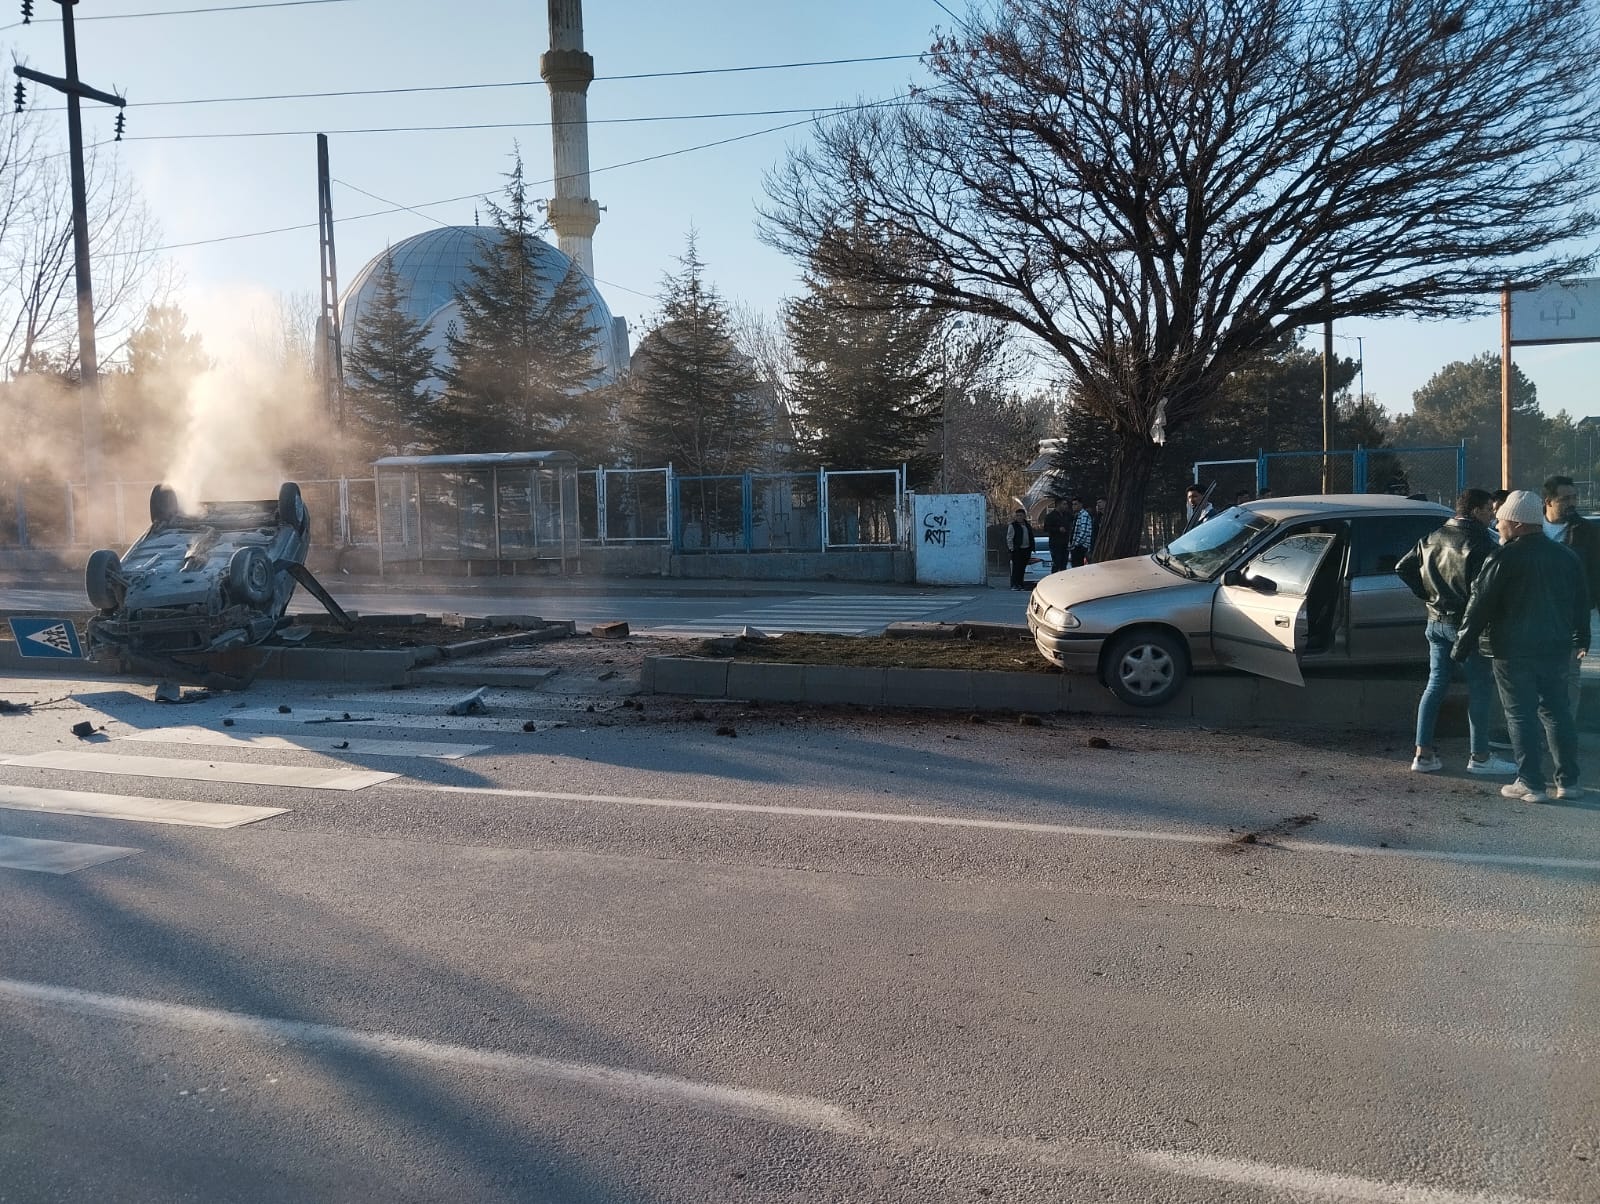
x=790, y=125
x=174, y=12
x=441, y=222
x=514, y=83
x=814, y=110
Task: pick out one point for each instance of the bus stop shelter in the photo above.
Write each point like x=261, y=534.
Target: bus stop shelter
x=516, y=511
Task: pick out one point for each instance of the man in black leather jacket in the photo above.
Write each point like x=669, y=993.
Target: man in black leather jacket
x=1440, y=570
x=1529, y=613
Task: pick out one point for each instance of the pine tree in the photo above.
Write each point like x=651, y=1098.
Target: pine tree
x=696, y=401
x=388, y=370
x=523, y=358
x=868, y=389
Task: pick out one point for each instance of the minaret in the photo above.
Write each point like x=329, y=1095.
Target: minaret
x=567, y=70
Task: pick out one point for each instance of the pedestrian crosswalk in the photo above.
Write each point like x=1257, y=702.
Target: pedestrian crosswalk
x=830, y=614
x=260, y=747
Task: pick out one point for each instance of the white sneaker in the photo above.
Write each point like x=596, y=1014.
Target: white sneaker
x=1568, y=792
x=1492, y=766
x=1428, y=765
x=1502, y=745
x=1521, y=790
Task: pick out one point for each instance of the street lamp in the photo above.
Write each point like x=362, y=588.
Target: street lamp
x=944, y=406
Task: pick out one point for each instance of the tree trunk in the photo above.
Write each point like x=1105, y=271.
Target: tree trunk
x=1122, y=529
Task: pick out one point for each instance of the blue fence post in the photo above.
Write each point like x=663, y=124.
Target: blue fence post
x=1358, y=473
x=1461, y=468
x=22, y=518
x=747, y=499
x=1261, y=470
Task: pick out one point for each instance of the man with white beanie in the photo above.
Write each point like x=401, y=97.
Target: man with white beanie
x=1529, y=613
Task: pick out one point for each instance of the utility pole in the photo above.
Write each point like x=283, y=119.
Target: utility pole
x=330, y=348
x=75, y=91
x=1327, y=391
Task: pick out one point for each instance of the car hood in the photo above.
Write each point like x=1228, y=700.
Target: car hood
x=1111, y=578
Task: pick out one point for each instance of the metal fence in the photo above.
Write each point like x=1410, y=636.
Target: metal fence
x=788, y=512
x=470, y=512
x=624, y=505
x=1438, y=473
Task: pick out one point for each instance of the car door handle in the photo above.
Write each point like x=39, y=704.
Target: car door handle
x=1280, y=620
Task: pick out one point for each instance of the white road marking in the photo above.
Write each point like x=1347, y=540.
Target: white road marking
x=795, y=1110
x=55, y=856
x=1298, y=1183
x=1011, y=825
x=798, y=1111
x=240, y=772
x=133, y=807
x=350, y=745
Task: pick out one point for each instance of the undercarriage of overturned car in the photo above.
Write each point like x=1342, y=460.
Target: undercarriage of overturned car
x=207, y=581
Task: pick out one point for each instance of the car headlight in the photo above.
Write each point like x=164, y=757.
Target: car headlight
x=1057, y=617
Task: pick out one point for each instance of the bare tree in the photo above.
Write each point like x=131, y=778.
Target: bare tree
x=38, y=308
x=1159, y=189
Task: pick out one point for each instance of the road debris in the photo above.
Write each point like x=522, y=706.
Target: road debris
x=344, y=718
x=1098, y=742
x=285, y=709
x=470, y=704
x=610, y=631
x=85, y=730
x=1027, y=720
x=725, y=730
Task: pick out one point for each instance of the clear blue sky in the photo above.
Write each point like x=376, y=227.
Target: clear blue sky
x=220, y=188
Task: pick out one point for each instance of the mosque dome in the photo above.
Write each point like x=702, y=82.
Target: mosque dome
x=431, y=265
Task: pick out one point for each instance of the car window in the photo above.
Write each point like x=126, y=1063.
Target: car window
x=1291, y=562
x=1381, y=541
x=1203, y=551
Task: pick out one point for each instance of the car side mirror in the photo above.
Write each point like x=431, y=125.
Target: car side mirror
x=1233, y=577
x=1262, y=585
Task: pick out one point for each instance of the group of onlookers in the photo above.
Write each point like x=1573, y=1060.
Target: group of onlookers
x=1510, y=606
x=1070, y=529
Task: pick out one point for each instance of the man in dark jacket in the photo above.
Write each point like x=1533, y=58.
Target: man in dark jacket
x=1019, y=546
x=1440, y=570
x=1567, y=527
x=1529, y=613
x=1058, y=530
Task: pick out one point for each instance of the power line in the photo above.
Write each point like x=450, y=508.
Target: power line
x=176, y=12
x=514, y=83
x=201, y=242
x=815, y=111
x=440, y=222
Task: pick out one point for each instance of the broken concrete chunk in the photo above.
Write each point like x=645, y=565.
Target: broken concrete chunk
x=168, y=691
x=610, y=631
x=753, y=633
x=465, y=622
x=470, y=704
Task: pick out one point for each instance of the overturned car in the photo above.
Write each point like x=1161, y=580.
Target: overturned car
x=201, y=582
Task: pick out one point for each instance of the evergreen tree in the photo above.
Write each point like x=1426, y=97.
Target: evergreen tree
x=523, y=358
x=867, y=389
x=696, y=401
x=1462, y=401
x=388, y=370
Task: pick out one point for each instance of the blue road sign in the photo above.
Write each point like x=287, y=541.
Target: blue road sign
x=55, y=639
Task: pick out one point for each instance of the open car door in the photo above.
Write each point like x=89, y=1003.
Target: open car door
x=1258, y=616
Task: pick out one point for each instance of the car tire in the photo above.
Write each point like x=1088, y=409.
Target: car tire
x=1146, y=668
x=292, y=507
x=163, y=504
x=102, y=580
x=250, y=575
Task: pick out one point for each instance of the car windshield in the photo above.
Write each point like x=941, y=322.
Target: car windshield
x=1207, y=549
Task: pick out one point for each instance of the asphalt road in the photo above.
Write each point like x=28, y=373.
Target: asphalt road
x=829, y=957
x=851, y=610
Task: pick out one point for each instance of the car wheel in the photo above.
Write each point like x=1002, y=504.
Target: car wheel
x=1146, y=668
x=250, y=575
x=292, y=507
x=102, y=579
x=163, y=503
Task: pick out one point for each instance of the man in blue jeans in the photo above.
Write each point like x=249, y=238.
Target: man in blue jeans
x=1440, y=570
x=1529, y=612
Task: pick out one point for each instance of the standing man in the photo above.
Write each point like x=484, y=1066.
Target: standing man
x=1529, y=613
x=1082, y=534
x=1567, y=527
x=1057, y=529
x=1440, y=570
x=1196, y=508
x=1019, y=543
